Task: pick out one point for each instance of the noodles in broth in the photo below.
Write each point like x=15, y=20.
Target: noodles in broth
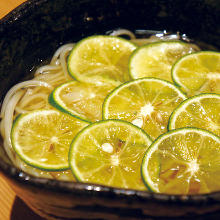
x=33, y=94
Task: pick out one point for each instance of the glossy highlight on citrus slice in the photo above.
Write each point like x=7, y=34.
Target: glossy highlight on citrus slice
x=101, y=59
x=183, y=161
x=201, y=111
x=156, y=59
x=198, y=73
x=83, y=100
x=42, y=138
x=146, y=103
x=109, y=153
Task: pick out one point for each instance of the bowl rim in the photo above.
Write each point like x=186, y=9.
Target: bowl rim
x=15, y=174
x=18, y=11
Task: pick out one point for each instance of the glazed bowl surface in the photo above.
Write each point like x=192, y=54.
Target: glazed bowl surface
x=32, y=32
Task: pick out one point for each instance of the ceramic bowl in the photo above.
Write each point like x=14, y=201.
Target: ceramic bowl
x=32, y=32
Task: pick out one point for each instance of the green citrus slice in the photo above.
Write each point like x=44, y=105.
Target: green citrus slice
x=156, y=59
x=198, y=73
x=146, y=102
x=42, y=138
x=188, y=161
x=101, y=59
x=83, y=100
x=109, y=153
x=201, y=111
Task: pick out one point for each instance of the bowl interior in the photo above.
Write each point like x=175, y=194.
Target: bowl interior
x=32, y=32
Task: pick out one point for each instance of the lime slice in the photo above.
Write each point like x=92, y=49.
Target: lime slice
x=156, y=59
x=198, y=73
x=201, y=111
x=83, y=100
x=101, y=59
x=42, y=138
x=146, y=103
x=188, y=161
x=109, y=153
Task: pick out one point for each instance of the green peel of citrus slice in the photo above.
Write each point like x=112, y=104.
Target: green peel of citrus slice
x=83, y=100
x=109, y=153
x=156, y=59
x=198, y=73
x=101, y=59
x=188, y=161
x=201, y=111
x=42, y=138
x=146, y=102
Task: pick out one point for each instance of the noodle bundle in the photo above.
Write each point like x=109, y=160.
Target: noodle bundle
x=33, y=94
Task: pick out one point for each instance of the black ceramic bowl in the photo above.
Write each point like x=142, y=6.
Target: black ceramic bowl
x=33, y=31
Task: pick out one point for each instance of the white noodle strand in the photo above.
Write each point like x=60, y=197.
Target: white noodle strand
x=30, y=99
x=19, y=86
x=63, y=57
x=7, y=123
x=46, y=69
x=121, y=32
x=57, y=53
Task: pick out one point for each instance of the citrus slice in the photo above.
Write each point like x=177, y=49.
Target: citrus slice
x=188, y=161
x=146, y=102
x=198, y=73
x=101, y=59
x=83, y=100
x=201, y=111
x=109, y=153
x=156, y=59
x=42, y=138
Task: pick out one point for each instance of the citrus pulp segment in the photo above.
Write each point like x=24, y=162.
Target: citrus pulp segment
x=146, y=102
x=110, y=153
x=83, y=100
x=156, y=59
x=201, y=111
x=188, y=162
x=198, y=73
x=42, y=138
x=101, y=59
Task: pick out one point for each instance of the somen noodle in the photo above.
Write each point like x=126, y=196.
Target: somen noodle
x=33, y=94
